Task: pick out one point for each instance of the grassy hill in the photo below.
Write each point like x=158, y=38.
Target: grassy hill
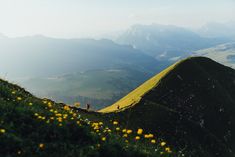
x=40, y=127
x=135, y=96
x=192, y=106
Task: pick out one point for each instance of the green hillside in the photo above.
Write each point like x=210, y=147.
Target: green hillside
x=40, y=127
x=192, y=107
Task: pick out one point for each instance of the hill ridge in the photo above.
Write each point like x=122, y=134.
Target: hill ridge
x=135, y=95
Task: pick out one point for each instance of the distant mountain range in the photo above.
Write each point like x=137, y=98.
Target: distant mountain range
x=224, y=53
x=166, y=42
x=39, y=56
x=136, y=55
x=215, y=30
x=76, y=69
x=191, y=104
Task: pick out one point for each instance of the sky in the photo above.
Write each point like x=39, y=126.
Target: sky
x=92, y=18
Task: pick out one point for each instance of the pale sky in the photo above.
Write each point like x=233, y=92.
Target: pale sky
x=91, y=18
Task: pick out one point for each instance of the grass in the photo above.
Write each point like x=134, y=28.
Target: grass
x=30, y=126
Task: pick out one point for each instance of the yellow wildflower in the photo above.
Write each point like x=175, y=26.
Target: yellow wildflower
x=19, y=98
x=129, y=131
x=2, y=131
x=125, y=135
x=150, y=135
x=153, y=141
x=168, y=150
x=103, y=138
x=139, y=131
x=137, y=138
x=30, y=104
x=59, y=119
x=124, y=130
x=117, y=129
x=163, y=144
x=58, y=114
x=41, y=145
x=115, y=123
x=66, y=108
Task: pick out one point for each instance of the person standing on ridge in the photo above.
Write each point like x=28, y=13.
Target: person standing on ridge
x=87, y=107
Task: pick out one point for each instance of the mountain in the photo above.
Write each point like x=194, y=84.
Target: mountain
x=191, y=104
x=223, y=53
x=54, y=57
x=45, y=65
x=215, y=29
x=165, y=42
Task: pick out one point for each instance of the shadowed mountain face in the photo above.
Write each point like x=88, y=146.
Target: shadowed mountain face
x=193, y=106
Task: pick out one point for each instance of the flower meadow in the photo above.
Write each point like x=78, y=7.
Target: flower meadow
x=40, y=127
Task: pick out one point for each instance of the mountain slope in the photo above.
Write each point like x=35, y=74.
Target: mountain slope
x=192, y=107
x=135, y=96
x=40, y=127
